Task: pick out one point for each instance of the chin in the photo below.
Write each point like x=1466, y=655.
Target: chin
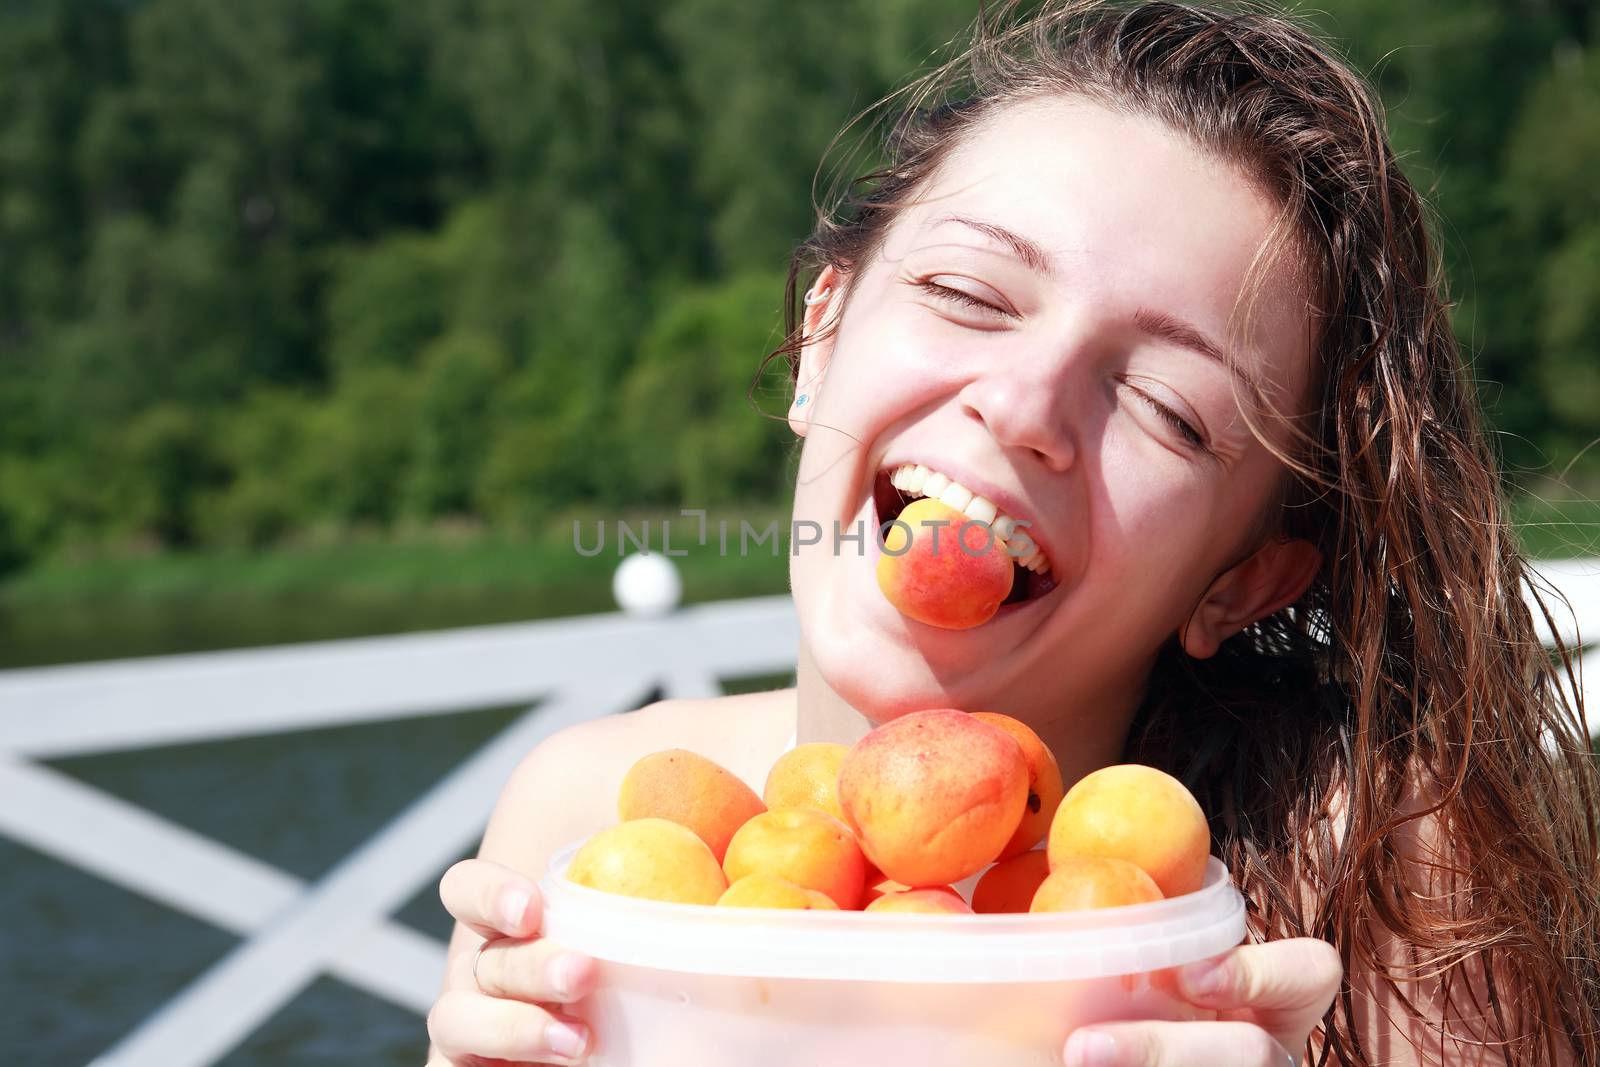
x=881, y=680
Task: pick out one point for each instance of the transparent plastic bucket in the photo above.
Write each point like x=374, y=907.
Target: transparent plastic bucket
x=693, y=986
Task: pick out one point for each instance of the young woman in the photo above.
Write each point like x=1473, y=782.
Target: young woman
x=1149, y=278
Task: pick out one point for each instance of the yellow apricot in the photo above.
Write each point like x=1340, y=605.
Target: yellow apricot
x=807, y=776
x=804, y=846
x=764, y=890
x=656, y=859
x=928, y=900
x=1081, y=882
x=1139, y=814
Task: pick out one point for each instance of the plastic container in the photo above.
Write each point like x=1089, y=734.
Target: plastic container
x=692, y=986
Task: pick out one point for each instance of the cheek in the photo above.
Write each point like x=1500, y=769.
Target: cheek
x=901, y=351
x=1154, y=516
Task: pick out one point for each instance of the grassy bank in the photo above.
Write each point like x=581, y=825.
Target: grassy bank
x=104, y=608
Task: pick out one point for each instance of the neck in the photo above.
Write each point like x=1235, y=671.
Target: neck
x=820, y=713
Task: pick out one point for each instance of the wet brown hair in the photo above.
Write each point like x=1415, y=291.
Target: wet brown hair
x=1408, y=687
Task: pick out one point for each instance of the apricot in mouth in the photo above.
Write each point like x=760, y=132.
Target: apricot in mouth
x=943, y=568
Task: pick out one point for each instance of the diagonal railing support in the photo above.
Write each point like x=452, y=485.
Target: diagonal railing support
x=140, y=851
x=247, y=986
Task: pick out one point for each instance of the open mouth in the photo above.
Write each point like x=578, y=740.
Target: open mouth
x=895, y=487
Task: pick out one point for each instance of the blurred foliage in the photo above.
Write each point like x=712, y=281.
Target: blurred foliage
x=363, y=264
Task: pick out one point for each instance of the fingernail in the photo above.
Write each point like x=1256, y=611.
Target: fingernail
x=513, y=906
x=1091, y=1048
x=566, y=1040
x=1205, y=979
x=567, y=972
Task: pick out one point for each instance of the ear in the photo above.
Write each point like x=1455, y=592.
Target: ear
x=1268, y=581
x=814, y=355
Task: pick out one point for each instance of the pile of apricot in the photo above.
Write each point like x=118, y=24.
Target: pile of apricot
x=893, y=822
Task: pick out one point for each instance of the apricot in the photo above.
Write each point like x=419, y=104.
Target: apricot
x=1081, y=882
x=763, y=890
x=879, y=884
x=690, y=790
x=934, y=795
x=1044, y=783
x=656, y=859
x=807, y=776
x=1009, y=885
x=929, y=900
x=810, y=848
x=1139, y=814
x=941, y=568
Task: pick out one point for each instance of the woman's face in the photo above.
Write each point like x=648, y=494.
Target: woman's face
x=1030, y=330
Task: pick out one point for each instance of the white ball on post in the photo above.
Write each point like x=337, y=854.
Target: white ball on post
x=647, y=584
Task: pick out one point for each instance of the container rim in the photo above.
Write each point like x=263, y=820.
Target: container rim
x=871, y=946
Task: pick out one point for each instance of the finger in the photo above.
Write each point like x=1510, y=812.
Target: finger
x=494, y=901
x=1175, y=1045
x=1287, y=985
x=534, y=971
x=470, y=1026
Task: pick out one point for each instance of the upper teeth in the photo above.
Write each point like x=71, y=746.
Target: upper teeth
x=914, y=480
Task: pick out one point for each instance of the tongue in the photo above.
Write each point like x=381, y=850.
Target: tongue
x=941, y=568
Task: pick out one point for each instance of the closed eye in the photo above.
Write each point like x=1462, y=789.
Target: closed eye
x=962, y=298
x=1179, y=423
x=1193, y=438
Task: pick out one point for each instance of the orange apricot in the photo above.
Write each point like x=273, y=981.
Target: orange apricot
x=1009, y=885
x=1081, y=882
x=941, y=568
x=1139, y=814
x=1044, y=783
x=810, y=848
x=934, y=795
x=807, y=776
x=690, y=790
x=764, y=890
x=928, y=900
x=656, y=859
x=879, y=884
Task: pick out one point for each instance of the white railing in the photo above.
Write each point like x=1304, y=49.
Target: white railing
x=292, y=931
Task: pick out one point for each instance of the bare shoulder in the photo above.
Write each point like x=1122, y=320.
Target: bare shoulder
x=566, y=787
x=1418, y=1020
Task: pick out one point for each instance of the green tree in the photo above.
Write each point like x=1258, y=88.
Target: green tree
x=460, y=376
x=386, y=302
x=266, y=488
x=696, y=438
x=361, y=446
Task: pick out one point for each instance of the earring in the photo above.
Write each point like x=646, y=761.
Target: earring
x=815, y=297
x=800, y=401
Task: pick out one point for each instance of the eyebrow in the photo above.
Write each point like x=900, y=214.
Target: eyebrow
x=1031, y=254
x=1156, y=324
x=1174, y=331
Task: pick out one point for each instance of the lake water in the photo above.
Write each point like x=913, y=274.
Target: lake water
x=82, y=630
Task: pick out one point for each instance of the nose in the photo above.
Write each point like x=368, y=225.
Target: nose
x=1022, y=412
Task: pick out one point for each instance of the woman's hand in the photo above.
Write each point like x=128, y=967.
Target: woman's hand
x=1267, y=997
x=494, y=1004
